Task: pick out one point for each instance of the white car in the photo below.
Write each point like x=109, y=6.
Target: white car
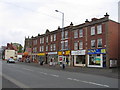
x=10, y=60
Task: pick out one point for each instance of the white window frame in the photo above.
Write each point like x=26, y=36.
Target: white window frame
x=99, y=29
x=99, y=40
x=93, y=30
x=66, y=44
x=75, y=45
x=75, y=33
x=92, y=42
x=81, y=45
x=54, y=37
x=81, y=33
x=66, y=34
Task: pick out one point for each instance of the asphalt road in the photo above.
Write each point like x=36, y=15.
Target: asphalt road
x=24, y=76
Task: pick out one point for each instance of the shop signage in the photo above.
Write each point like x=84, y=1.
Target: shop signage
x=79, y=52
x=41, y=54
x=97, y=51
x=60, y=53
x=67, y=52
x=50, y=53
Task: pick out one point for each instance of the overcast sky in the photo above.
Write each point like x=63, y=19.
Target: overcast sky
x=20, y=18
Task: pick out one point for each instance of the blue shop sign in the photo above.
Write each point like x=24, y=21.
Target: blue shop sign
x=97, y=51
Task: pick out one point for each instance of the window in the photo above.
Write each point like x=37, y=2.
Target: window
x=62, y=45
x=66, y=34
x=40, y=49
x=62, y=35
x=99, y=29
x=81, y=45
x=99, y=43
x=76, y=34
x=43, y=40
x=54, y=47
x=46, y=48
x=80, y=33
x=54, y=37
x=66, y=44
x=92, y=30
x=51, y=48
x=40, y=40
x=51, y=38
x=94, y=59
x=47, y=39
x=75, y=46
x=92, y=43
x=35, y=42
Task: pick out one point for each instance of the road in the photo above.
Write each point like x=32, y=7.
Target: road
x=25, y=76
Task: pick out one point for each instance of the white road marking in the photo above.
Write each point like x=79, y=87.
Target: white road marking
x=69, y=78
x=54, y=75
x=27, y=69
x=88, y=82
x=19, y=84
x=43, y=73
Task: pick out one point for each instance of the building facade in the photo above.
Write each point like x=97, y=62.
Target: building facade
x=92, y=44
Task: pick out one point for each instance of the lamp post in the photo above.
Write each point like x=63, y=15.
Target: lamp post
x=62, y=32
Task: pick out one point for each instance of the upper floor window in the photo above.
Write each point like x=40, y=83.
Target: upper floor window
x=40, y=40
x=93, y=30
x=99, y=29
x=35, y=42
x=47, y=48
x=81, y=45
x=75, y=46
x=54, y=47
x=92, y=43
x=99, y=43
x=54, y=37
x=62, y=45
x=43, y=40
x=66, y=34
x=81, y=33
x=76, y=34
x=51, y=47
x=51, y=38
x=47, y=39
x=62, y=35
x=66, y=44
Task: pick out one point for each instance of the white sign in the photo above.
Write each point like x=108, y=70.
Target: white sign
x=50, y=53
x=79, y=52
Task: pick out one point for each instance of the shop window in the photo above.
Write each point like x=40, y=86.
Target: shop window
x=80, y=59
x=94, y=59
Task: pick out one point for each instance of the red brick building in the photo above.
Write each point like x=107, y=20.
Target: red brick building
x=92, y=44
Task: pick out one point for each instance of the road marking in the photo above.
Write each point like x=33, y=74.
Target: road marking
x=54, y=75
x=69, y=78
x=43, y=73
x=89, y=82
x=27, y=69
x=19, y=84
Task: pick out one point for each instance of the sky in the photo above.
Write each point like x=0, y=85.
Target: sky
x=23, y=18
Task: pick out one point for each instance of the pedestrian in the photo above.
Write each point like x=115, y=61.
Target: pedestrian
x=63, y=64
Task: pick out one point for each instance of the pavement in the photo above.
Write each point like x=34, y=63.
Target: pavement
x=107, y=72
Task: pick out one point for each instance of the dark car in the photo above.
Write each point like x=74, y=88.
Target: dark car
x=10, y=60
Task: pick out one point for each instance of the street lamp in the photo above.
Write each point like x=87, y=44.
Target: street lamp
x=62, y=31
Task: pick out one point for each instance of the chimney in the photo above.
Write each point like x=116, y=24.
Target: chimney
x=94, y=19
x=71, y=24
x=86, y=21
x=106, y=15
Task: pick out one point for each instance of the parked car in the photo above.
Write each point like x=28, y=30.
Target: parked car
x=10, y=60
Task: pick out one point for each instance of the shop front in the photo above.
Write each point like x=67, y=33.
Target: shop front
x=52, y=57
x=41, y=57
x=79, y=57
x=65, y=55
x=97, y=57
